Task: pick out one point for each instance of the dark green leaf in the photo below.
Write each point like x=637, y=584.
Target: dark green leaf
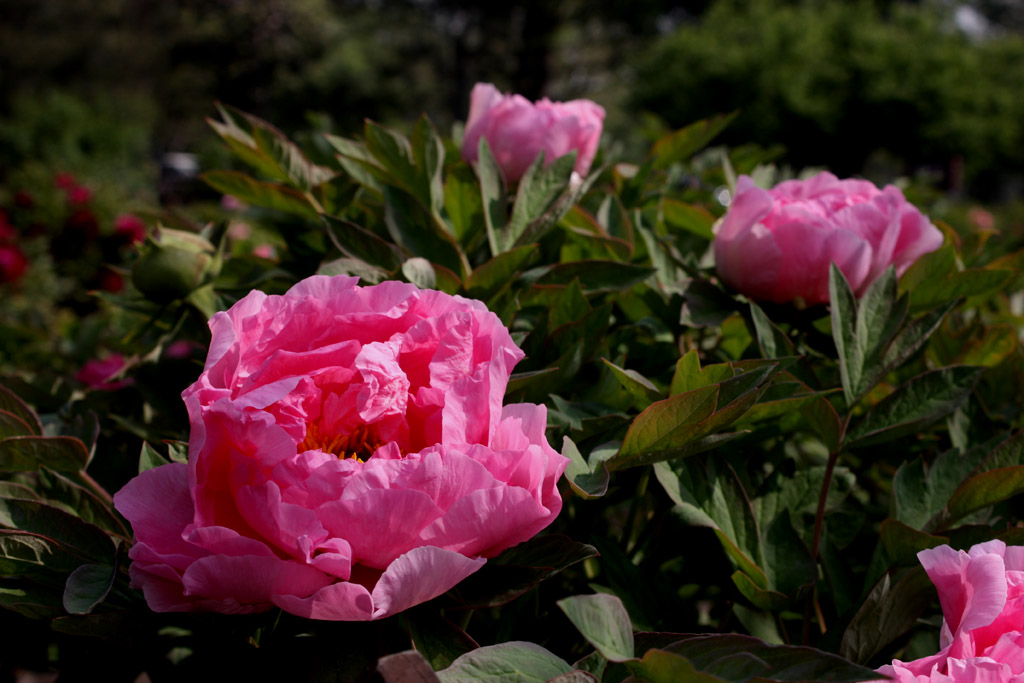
x=87, y=587
x=916, y=404
x=902, y=543
x=843, y=310
x=689, y=375
x=888, y=612
x=641, y=388
x=83, y=539
x=29, y=453
x=259, y=193
x=494, y=275
x=539, y=187
x=357, y=242
x=463, y=204
x=10, y=403
x=439, y=641
x=12, y=425
x=406, y=667
x=670, y=423
x=520, y=568
x=596, y=275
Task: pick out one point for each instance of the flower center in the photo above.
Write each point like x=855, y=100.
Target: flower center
x=358, y=444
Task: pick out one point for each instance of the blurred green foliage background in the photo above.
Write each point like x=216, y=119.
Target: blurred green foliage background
x=877, y=87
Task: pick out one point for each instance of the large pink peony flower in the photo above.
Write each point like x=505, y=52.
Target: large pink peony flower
x=982, y=597
x=350, y=457
x=518, y=130
x=776, y=245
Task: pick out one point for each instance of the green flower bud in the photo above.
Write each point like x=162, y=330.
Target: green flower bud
x=173, y=264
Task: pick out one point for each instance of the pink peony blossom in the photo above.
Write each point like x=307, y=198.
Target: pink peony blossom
x=350, y=457
x=518, y=130
x=982, y=596
x=776, y=245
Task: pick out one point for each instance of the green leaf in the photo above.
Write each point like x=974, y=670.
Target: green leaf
x=985, y=489
x=587, y=479
x=150, y=458
x=597, y=276
x=966, y=283
x=357, y=242
x=520, y=568
x=12, y=425
x=538, y=189
x=669, y=423
x=78, y=537
x=682, y=144
x=604, y=622
x=61, y=492
x=843, y=311
x=705, y=305
x=439, y=641
x=787, y=562
x=741, y=658
x=658, y=666
x=916, y=404
x=412, y=227
x=889, y=611
x=495, y=200
x=29, y=554
x=641, y=388
x=10, y=403
x=259, y=193
x=428, y=151
x=87, y=587
x=420, y=272
x=693, y=219
x=29, y=599
x=29, y=453
x=464, y=205
x=495, y=275
x=689, y=375
x=902, y=543
x=571, y=306
x=514, y=661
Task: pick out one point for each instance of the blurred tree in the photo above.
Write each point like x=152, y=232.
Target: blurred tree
x=845, y=83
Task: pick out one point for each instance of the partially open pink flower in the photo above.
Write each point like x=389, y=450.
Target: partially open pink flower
x=776, y=245
x=518, y=130
x=350, y=457
x=982, y=597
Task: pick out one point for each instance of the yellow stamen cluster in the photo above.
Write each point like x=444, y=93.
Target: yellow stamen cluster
x=358, y=444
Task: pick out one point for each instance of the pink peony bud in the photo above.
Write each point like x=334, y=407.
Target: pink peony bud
x=776, y=245
x=518, y=130
x=982, y=596
x=350, y=457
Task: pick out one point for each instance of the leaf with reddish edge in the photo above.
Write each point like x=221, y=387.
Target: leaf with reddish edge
x=11, y=403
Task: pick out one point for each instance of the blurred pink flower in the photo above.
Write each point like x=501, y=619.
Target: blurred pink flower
x=982, y=596
x=350, y=457
x=129, y=229
x=517, y=130
x=64, y=180
x=265, y=251
x=78, y=194
x=981, y=218
x=776, y=245
x=13, y=263
x=231, y=203
x=96, y=373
